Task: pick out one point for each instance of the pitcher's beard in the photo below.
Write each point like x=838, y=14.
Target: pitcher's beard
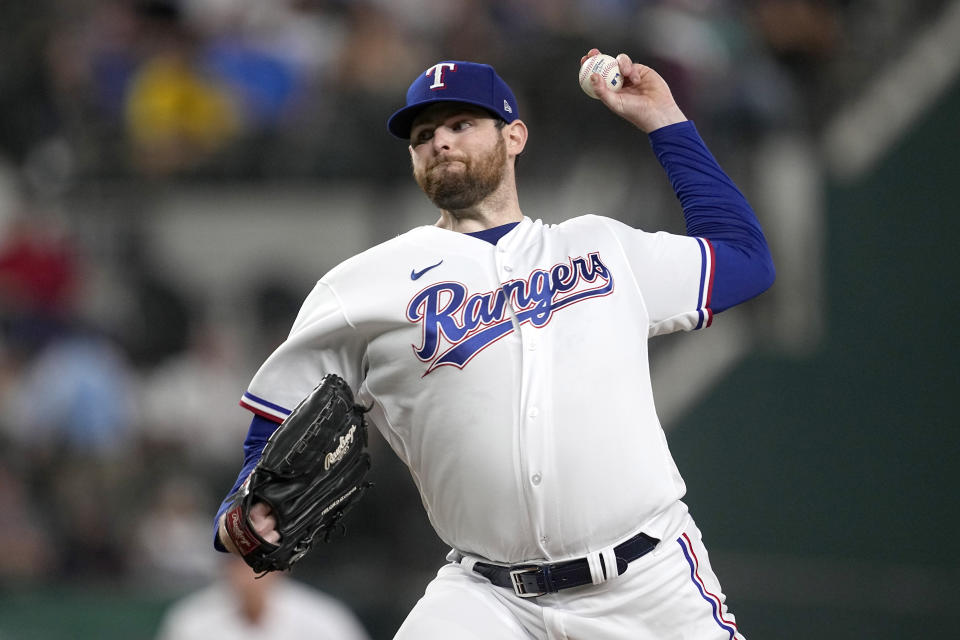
x=456, y=191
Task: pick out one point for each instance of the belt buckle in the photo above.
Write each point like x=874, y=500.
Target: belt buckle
x=519, y=587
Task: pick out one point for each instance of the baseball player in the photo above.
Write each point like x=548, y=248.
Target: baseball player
x=506, y=363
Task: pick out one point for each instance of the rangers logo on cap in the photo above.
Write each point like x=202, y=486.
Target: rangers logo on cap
x=455, y=81
x=437, y=72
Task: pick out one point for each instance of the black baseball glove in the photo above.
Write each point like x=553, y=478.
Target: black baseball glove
x=311, y=472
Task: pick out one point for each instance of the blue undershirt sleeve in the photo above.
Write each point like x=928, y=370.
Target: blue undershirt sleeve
x=257, y=435
x=714, y=209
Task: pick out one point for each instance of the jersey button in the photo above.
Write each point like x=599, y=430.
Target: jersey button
x=532, y=346
x=534, y=412
x=507, y=268
x=535, y=479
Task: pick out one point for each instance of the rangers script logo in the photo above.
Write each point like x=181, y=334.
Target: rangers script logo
x=456, y=325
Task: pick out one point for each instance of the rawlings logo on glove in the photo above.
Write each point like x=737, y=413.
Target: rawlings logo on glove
x=334, y=456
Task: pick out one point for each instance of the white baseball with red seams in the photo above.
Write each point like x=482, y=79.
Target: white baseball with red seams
x=608, y=69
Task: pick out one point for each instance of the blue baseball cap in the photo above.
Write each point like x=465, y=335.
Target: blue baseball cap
x=455, y=81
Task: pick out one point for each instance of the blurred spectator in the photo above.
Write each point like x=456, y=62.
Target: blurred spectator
x=303, y=35
x=176, y=117
x=38, y=279
x=75, y=396
x=266, y=84
x=37, y=266
x=240, y=606
x=269, y=54
x=186, y=401
x=177, y=114
x=91, y=55
x=172, y=540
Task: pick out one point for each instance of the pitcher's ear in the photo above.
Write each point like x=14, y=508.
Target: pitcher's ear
x=516, y=137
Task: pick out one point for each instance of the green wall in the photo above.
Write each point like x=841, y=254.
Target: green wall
x=849, y=457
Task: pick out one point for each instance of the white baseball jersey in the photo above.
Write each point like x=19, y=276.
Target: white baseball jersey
x=513, y=379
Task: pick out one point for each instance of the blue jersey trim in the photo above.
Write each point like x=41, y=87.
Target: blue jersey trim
x=494, y=234
x=703, y=277
x=265, y=403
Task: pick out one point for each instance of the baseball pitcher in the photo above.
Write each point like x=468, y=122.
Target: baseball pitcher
x=505, y=361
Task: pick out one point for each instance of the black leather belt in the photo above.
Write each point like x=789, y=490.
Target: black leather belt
x=532, y=580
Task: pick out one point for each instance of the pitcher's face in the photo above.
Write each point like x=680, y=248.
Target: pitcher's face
x=458, y=153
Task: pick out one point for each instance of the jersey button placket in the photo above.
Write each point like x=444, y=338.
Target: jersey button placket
x=535, y=379
x=537, y=477
x=512, y=264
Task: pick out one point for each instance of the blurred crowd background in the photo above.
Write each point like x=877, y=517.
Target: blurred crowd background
x=175, y=174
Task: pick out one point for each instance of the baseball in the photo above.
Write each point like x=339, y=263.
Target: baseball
x=608, y=69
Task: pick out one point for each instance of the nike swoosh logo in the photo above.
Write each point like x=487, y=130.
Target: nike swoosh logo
x=415, y=275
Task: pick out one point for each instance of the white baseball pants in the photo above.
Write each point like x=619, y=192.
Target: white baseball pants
x=669, y=594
